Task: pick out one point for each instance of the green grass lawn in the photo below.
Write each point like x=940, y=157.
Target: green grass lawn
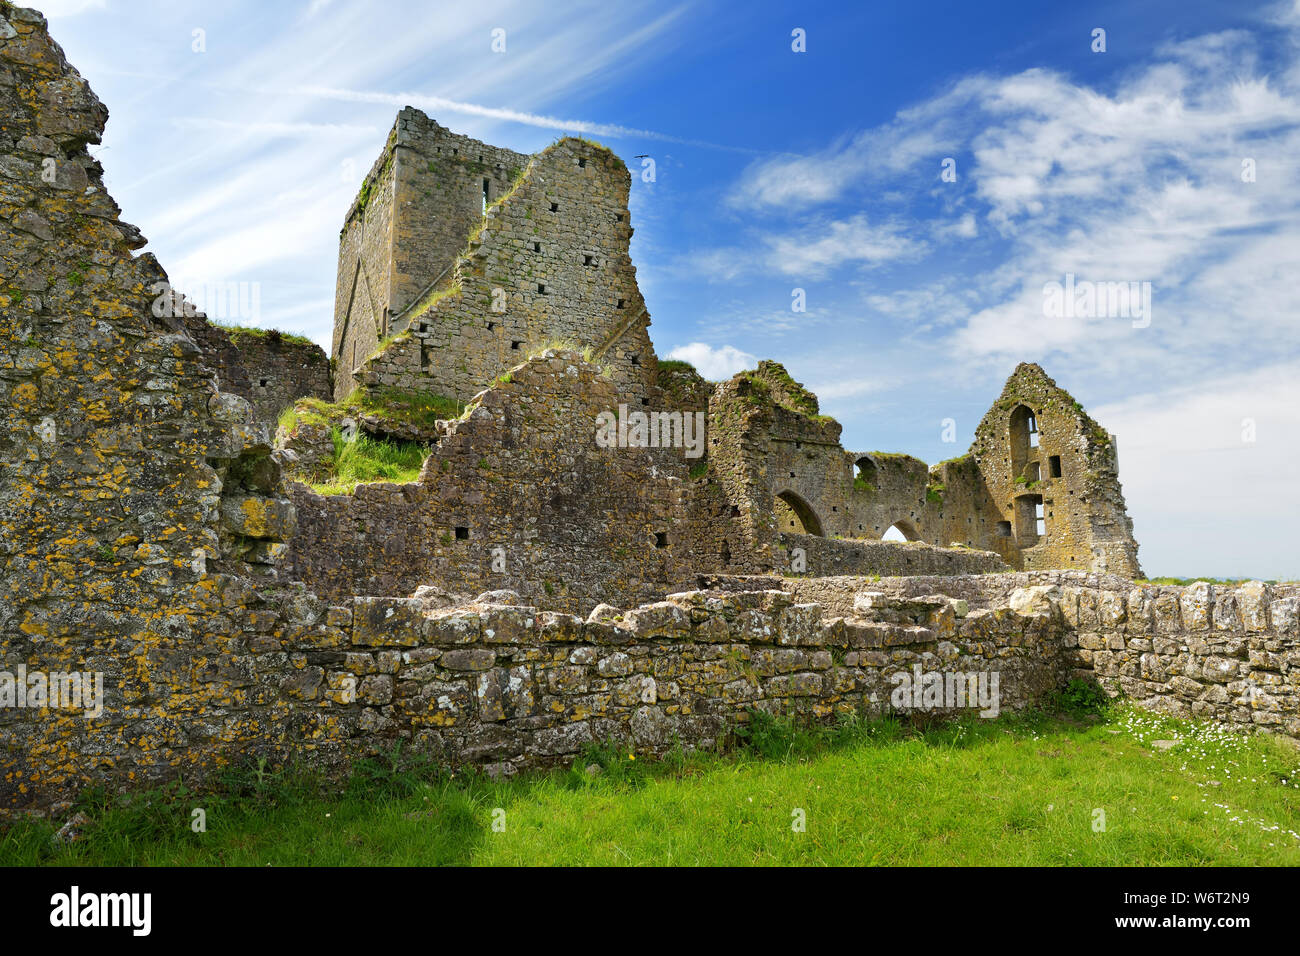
x=1024, y=789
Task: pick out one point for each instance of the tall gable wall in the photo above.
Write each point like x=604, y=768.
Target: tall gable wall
x=1038, y=449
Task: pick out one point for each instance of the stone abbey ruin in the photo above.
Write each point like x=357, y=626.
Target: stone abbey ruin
x=170, y=517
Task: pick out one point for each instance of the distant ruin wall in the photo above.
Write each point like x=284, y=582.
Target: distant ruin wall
x=517, y=495
x=261, y=366
x=833, y=556
x=281, y=370
x=1051, y=471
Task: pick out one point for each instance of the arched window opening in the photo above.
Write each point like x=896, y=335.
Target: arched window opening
x=1024, y=436
x=901, y=530
x=865, y=477
x=794, y=514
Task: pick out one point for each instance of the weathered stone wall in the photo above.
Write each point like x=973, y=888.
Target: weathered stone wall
x=1034, y=430
x=473, y=256
x=280, y=371
x=509, y=686
x=548, y=262
x=1230, y=654
x=517, y=494
x=127, y=480
x=363, y=285
x=984, y=499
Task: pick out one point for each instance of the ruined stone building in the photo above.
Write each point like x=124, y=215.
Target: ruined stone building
x=533, y=589
x=459, y=262
x=459, y=257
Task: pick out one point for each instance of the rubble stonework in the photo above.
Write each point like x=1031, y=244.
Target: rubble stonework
x=642, y=595
x=128, y=481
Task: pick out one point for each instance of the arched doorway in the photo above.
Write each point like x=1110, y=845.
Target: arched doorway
x=794, y=514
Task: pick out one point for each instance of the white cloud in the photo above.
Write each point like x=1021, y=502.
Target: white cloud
x=715, y=364
x=914, y=142
x=61, y=9
x=1204, y=499
x=810, y=252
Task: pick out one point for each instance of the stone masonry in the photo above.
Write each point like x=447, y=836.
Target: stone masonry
x=638, y=594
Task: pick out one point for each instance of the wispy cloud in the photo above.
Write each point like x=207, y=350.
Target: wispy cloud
x=811, y=251
x=439, y=105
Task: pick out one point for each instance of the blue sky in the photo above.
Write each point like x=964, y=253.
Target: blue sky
x=819, y=170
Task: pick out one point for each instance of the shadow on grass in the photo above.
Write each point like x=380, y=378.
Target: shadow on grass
x=402, y=808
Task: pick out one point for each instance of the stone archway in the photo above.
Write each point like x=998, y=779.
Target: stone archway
x=904, y=528
x=794, y=514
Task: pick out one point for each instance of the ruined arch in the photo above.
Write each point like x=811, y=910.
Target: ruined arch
x=864, y=472
x=903, y=527
x=793, y=513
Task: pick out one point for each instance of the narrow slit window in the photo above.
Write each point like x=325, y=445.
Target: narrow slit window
x=487, y=193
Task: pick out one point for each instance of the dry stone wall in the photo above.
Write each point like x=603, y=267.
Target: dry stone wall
x=1230, y=654
x=509, y=686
